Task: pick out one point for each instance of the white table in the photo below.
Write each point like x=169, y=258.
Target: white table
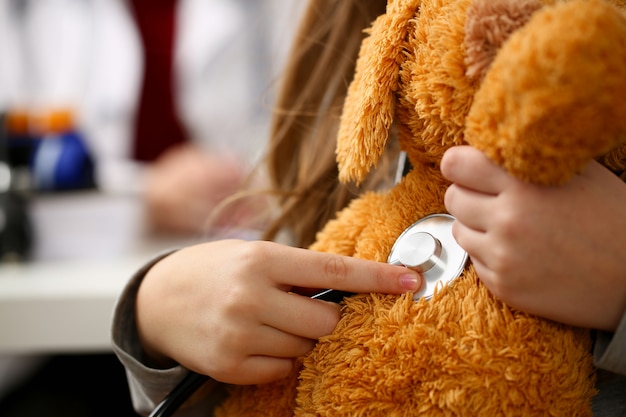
x=61, y=302
x=51, y=307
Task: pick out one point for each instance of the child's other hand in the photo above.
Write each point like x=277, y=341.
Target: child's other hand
x=558, y=252
x=225, y=309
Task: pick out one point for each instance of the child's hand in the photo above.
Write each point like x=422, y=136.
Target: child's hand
x=225, y=309
x=558, y=252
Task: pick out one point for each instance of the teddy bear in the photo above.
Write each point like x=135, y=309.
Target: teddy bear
x=537, y=86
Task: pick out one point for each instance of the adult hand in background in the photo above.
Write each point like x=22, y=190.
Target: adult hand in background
x=225, y=308
x=558, y=252
x=184, y=186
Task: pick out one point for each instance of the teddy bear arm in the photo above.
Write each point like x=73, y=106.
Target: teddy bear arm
x=553, y=98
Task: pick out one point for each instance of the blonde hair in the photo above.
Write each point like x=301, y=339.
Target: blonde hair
x=301, y=162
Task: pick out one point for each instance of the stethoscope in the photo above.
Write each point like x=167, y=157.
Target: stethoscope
x=427, y=246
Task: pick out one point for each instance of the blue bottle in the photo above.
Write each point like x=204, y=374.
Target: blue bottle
x=61, y=160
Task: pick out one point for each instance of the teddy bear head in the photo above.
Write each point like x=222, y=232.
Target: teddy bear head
x=535, y=84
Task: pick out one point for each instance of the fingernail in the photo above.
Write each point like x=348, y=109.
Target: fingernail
x=410, y=282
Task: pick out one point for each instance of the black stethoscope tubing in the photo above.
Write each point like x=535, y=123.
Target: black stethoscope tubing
x=179, y=395
x=193, y=380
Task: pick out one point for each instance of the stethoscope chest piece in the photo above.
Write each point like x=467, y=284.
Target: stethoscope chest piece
x=427, y=246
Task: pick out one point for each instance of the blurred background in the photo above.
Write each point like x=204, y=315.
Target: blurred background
x=122, y=124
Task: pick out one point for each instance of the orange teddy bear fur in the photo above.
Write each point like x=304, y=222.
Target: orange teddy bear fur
x=538, y=86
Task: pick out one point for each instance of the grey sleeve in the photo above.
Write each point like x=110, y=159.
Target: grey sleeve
x=610, y=358
x=149, y=386
x=610, y=349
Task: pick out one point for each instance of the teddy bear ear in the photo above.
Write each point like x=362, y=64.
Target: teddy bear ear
x=489, y=24
x=370, y=105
